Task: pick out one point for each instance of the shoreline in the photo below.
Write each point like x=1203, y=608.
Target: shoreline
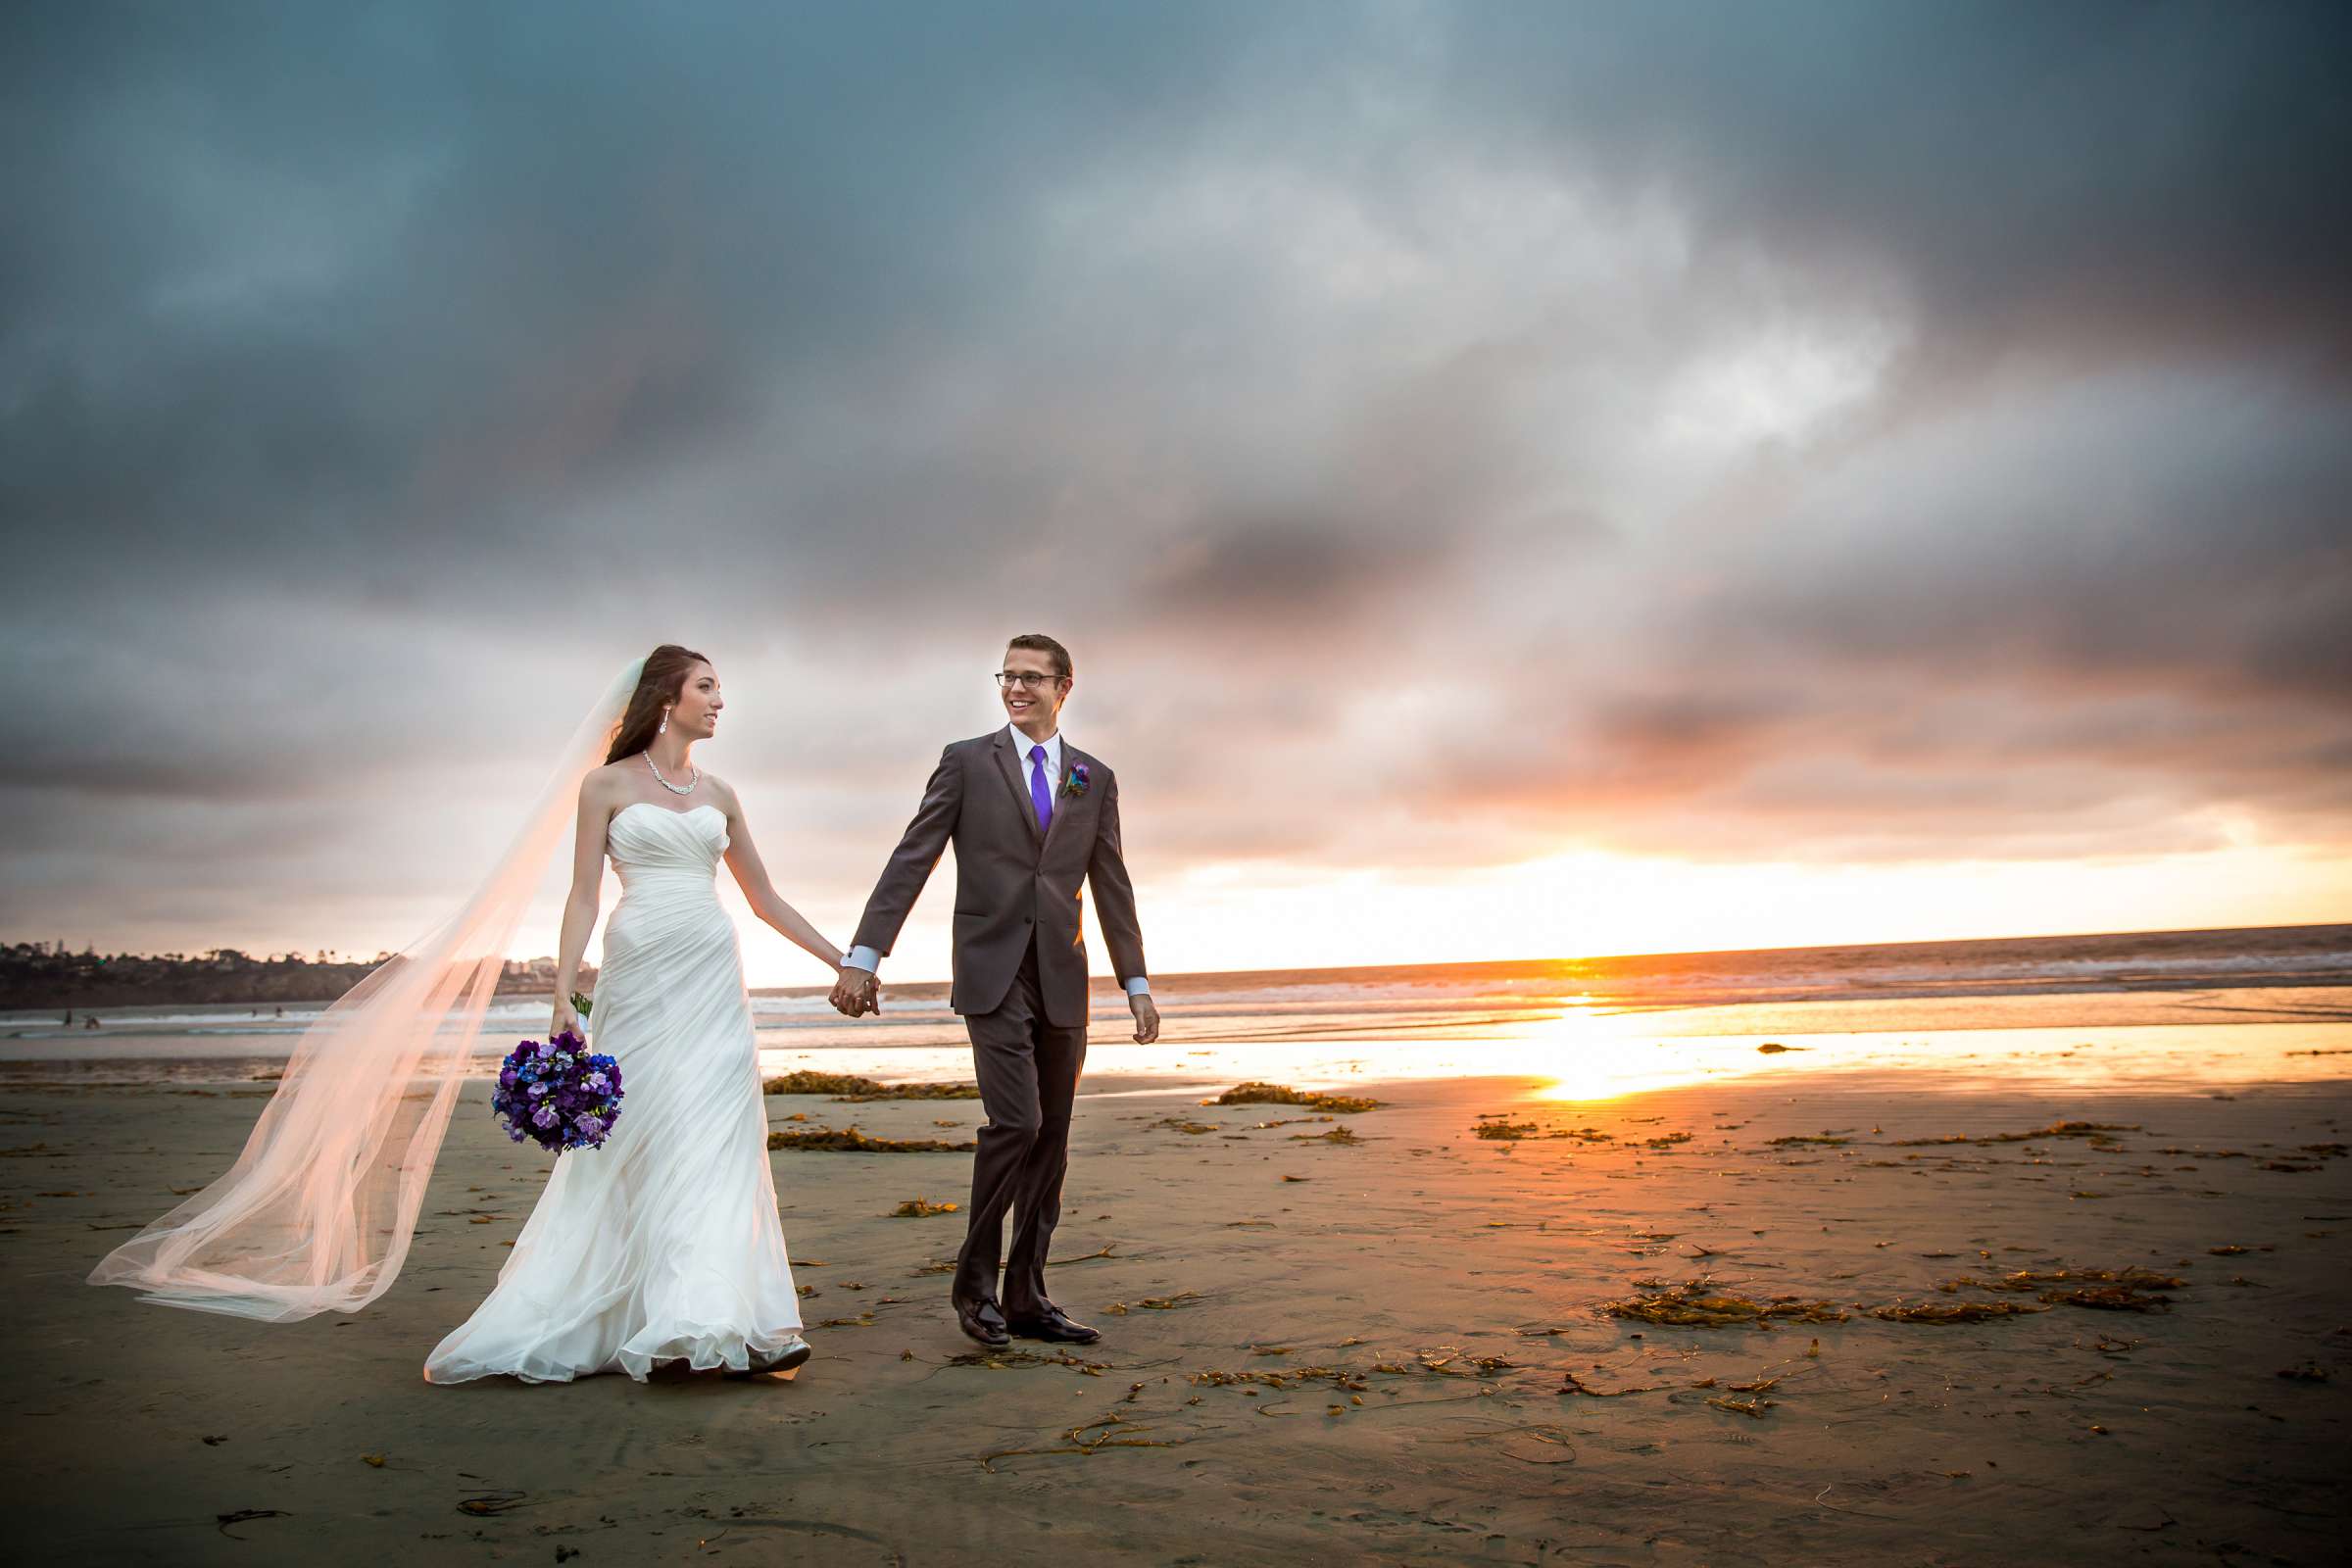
x=2197, y=1039
x=2322, y=942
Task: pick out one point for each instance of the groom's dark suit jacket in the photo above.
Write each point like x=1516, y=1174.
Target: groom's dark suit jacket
x=1012, y=882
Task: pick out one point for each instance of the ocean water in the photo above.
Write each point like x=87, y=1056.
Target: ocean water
x=1591, y=1020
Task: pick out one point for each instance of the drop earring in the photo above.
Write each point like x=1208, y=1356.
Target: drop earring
x=664, y=729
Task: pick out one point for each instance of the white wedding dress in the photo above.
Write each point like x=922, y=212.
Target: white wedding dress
x=664, y=1244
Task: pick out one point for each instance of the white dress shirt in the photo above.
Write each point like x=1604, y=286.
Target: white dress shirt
x=1020, y=748
x=870, y=961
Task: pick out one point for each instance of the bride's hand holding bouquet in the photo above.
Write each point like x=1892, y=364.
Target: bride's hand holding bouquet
x=568, y=1016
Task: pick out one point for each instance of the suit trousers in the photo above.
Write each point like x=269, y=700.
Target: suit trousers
x=1028, y=1073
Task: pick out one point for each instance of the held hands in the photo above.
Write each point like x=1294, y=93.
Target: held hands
x=856, y=992
x=1147, y=1018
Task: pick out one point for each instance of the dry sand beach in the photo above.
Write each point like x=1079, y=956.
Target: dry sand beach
x=1381, y=1336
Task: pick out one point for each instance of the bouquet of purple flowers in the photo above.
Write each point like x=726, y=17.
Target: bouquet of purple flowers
x=556, y=1092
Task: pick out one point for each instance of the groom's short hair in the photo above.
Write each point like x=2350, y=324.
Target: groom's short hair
x=1037, y=642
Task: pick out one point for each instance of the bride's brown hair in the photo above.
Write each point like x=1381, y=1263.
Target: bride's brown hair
x=658, y=686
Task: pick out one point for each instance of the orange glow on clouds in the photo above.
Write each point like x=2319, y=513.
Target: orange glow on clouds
x=1259, y=916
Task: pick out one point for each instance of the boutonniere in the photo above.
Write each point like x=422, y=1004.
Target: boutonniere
x=1075, y=784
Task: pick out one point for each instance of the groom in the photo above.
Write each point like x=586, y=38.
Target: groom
x=1031, y=817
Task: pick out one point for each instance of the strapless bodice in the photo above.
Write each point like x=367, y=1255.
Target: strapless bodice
x=651, y=844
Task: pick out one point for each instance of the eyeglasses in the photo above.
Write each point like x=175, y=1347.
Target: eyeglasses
x=1027, y=679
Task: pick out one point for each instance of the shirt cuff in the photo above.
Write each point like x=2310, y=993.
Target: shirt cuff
x=1138, y=986
x=865, y=958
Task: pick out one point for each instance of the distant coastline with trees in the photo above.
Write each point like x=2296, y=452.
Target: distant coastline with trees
x=44, y=974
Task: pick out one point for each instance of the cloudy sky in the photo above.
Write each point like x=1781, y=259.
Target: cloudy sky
x=1518, y=479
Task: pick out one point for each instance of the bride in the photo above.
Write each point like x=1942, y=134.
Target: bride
x=661, y=1246
x=664, y=1244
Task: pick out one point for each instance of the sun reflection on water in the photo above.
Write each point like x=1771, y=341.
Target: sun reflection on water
x=1580, y=1053
x=1583, y=1046
x=1599, y=1058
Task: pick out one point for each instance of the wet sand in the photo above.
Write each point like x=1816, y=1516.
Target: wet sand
x=1365, y=1350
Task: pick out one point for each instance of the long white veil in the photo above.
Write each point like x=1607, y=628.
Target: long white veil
x=317, y=1210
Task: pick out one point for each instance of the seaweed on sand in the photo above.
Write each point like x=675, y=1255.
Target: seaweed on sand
x=1699, y=1304
x=1152, y=1303
x=1338, y=1135
x=2113, y=1290
x=1570, y=1382
x=2130, y=1278
x=1003, y=1360
x=1952, y=1311
x=1259, y=1094
x=489, y=1503
x=1501, y=1130
x=2108, y=1297
x=849, y=1141
x=920, y=1208
x=848, y=1086
x=1083, y=1257
x=1444, y=1362
x=1535, y=1443
x=2057, y=1129
x=1077, y=1441
x=1338, y=1377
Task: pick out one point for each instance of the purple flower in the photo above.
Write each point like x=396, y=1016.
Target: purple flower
x=554, y=1093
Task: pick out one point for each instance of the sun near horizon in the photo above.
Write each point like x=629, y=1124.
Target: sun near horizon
x=1592, y=906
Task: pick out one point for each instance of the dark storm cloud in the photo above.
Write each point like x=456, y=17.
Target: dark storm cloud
x=1846, y=430
x=2192, y=535
x=303, y=278
x=2157, y=177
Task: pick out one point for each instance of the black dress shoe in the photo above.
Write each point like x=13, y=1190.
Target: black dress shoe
x=784, y=1364
x=984, y=1321
x=1056, y=1325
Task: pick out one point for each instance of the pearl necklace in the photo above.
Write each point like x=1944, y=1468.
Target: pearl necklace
x=674, y=789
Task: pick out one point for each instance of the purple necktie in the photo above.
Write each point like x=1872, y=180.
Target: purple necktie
x=1040, y=796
